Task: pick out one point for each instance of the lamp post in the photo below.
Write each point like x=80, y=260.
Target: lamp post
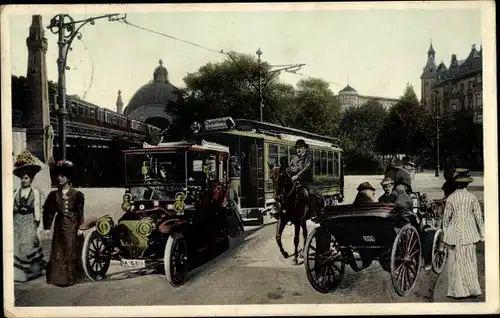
x=436, y=106
x=66, y=28
x=289, y=68
x=261, y=97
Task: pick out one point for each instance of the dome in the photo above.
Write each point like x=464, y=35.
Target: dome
x=348, y=89
x=151, y=99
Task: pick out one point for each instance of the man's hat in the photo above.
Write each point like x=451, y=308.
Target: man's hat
x=26, y=164
x=232, y=158
x=386, y=181
x=65, y=168
x=301, y=143
x=462, y=175
x=365, y=186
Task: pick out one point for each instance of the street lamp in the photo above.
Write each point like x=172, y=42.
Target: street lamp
x=64, y=26
x=436, y=107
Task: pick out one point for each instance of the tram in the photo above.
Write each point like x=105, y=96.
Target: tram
x=256, y=144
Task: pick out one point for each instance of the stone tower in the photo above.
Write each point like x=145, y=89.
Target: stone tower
x=119, y=103
x=428, y=78
x=39, y=133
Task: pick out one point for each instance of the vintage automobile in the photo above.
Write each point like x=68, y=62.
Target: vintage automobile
x=175, y=207
x=402, y=241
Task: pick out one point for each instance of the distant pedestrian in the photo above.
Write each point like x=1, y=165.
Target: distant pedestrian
x=463, y=227
x=28, y=254
x=365, y=195
x=388, y=185
x=66, y=205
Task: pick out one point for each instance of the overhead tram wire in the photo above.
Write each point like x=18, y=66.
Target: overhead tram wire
x=211, y=50
x=311, y=77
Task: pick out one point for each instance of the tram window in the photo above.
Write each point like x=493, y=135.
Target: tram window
x=330, y=163
x=336, y=164
x=283, y=156
x=323, y=163
x=273, y=154
x=317, y=161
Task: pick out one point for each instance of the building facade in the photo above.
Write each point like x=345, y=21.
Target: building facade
x=349, y=97
x=456, y=87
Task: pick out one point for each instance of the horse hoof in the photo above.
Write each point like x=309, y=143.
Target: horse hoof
x=285, y=255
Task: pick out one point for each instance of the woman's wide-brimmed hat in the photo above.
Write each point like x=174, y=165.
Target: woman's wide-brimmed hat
x=65, y=168
x=386, y=181
x=462, y=175
x=301, y=143
x=26, y=163
x=365, y=186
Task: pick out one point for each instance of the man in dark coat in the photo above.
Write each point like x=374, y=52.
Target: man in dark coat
x=301, y=166
x=388, y=185
x=365, y=194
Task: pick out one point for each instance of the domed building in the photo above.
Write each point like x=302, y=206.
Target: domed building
x=349, y=97
x=150, y=103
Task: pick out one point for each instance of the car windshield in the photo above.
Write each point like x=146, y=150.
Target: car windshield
x=159, y=168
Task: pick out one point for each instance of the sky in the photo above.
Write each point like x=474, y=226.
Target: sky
x=377, y=51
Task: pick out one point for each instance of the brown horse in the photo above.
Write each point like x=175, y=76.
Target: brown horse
x=289, y=208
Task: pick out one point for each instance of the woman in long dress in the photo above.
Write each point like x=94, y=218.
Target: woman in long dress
x=66, y=205
x=463, y=227
x=28, y=254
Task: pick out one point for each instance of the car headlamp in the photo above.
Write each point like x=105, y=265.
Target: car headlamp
x=126, y=206
x=127, y=197
x=104, y=225
x=145, y=227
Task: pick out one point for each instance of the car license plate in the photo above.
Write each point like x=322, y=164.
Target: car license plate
x=369, y=238
x=136, y=263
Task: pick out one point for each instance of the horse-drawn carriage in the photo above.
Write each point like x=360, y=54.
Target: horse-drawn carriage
x=174, y=209
x=402, y=241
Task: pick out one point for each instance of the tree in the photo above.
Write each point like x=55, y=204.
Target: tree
x=408, y=128
x=317, y=108
x=19, y=89
x=363, y=123
x=229, y=88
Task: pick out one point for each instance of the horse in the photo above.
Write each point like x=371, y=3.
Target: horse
x=288, y=208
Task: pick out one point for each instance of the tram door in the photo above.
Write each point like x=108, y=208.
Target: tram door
x=252, y=171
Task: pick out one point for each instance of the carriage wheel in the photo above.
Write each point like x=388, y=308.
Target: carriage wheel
x=175, y=259
x=95, y=257
x=323, y=261
x=439, y=252
x=405, y=260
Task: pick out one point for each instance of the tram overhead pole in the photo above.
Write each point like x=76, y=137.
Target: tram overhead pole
x=67, y=30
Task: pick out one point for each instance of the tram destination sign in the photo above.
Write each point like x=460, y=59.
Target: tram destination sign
x=219, y=124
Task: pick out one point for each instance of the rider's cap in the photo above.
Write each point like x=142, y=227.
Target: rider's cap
x=365, y=186
x=386, y=181
x=301, y=143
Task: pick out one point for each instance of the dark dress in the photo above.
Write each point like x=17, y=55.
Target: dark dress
x=386, y=198
x=64, y=268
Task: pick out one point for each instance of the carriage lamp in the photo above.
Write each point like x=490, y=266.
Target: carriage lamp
x=145, y=227
x=104, y=225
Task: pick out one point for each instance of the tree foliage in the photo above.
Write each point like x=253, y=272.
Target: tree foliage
x=317, y=108
x=408, y=128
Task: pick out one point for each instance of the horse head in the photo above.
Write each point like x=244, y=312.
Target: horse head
x=282, y=183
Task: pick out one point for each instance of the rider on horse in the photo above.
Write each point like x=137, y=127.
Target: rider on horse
x=301, y=167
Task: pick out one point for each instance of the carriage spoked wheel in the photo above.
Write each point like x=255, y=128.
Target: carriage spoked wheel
x=405, y=260
x=96, y=257
x=175, y=259
x=324, y=263
x=439, y=252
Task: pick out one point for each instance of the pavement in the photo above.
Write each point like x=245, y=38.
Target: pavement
x=251, y=272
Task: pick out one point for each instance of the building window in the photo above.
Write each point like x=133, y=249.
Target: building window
x=470, y=85
x=454, y=106
x=462, y=87
x=479, y=78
